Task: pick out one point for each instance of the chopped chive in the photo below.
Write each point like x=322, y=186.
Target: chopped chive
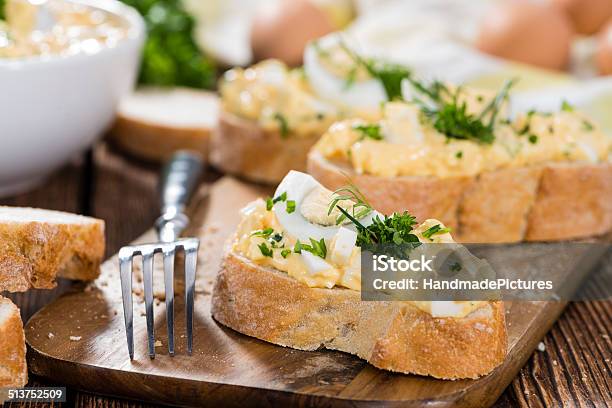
x=434, y=230
x=265, y=251
x=283, y=125
x=290, y=206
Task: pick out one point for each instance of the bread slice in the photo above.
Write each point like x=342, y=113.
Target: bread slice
x=153, y=123
x=242, y=148
x=13, y=369
x=556, y=201
x=268, y=304
x=38, y=245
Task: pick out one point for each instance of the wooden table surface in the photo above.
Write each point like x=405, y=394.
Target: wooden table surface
x=574, y=368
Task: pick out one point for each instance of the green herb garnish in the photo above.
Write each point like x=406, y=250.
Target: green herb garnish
x=283, y=125
x=265, y=233
x=388, y=74
x=351, y=193
x=586, y=125
x=265, y=251
x=456, y=267
x=396, y=228
x=451, y=118
x=459, y=154
x=369, y=131
x=566, y=107
x=285, y=253
x=271, y=201
x=317, y=248
x=434, y=230
x=290, y=206
x=170, y=55
x=533, y=139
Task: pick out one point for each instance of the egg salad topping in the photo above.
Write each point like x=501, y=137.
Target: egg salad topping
x=315, y=236
x=277, y=98
x=446, y=131
x=333, y=84
x=72, y=28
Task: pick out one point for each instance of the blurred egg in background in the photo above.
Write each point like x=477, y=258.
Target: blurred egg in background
x=604, y=50
x=587, y=16
x=529, y=32
x=282, y=29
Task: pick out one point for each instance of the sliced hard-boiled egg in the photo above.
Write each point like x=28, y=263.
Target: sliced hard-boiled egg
x=309, y=218
x=335, y=76
x=402, y=124
x=342, y=246
x=316, y=266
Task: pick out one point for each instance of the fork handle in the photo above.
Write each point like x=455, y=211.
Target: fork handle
x=178, y=181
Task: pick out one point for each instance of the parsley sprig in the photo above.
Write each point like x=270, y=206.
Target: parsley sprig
x=451, y=118
x=396, y=229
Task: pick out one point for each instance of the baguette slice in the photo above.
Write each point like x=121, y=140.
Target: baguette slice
x=268, y=304
x=38, y=245
x=153, y=123
x=13, y=370
x=242, y=148
x=557, y=201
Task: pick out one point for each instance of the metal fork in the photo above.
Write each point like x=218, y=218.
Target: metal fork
x=178, y=181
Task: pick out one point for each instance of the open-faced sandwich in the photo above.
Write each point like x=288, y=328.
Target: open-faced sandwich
x=292, y=276
x=271, y=115
x=452, y=153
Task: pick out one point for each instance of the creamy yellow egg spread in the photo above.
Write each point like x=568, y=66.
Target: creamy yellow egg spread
x=56, y=27
x=333, y=84
x=422, y=139
x=279, y=233
x=277, y=98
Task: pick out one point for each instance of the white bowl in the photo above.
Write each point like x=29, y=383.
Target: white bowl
x=54, y=108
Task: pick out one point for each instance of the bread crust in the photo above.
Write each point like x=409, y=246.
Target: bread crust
x=552, y=202
x=33, y=254
x=242, y=148
x=268, y=304
x=144, y=136
x=155, y=142
x=13, y=368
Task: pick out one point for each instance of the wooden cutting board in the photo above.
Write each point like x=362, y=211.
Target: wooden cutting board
x=79, y=340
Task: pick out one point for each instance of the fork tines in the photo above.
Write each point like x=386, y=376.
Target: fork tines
x=147, y=251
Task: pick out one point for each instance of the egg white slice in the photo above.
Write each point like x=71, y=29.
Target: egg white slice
x=297, y=186
x=343, y=244
x=368, y=94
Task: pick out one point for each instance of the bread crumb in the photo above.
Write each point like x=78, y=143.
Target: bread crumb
x=541, y=346
x=50, y=335
x=158, y=343
x=75, y=338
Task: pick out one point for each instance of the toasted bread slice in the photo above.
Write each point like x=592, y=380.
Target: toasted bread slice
x=551, y=202
x=153, y=123
x=13, y=369
x=242, y=148
x=268, y=304
x=38, y=245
